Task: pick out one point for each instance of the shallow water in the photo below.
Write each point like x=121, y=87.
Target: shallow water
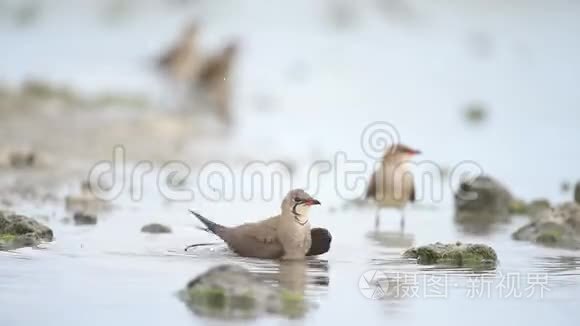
x=416, y=71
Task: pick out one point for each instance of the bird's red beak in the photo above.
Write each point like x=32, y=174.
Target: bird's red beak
x=311, y=202
x=414, y=152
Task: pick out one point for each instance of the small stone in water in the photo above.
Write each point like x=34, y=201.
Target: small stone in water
x=22, y=159
x=475, y=113
x=84, y=219
x=155, y=228
x=18, y=231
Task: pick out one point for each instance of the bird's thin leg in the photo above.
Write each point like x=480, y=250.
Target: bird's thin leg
x=402, y=220
x=378, y=218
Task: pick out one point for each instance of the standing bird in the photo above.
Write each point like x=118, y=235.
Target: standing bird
x=287, y=236
x=182, y=60
x=392, y=184
x=214, y=80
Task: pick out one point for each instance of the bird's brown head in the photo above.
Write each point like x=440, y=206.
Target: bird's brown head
x=401, y=151
x=298, y=202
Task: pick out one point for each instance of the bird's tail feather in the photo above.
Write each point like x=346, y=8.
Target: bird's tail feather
x=209, y=225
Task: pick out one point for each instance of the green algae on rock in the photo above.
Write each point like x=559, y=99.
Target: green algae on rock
x=18, y=231
x=456, y=254
x=232, y=292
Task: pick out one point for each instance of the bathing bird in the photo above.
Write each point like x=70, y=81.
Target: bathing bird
x=286, y=236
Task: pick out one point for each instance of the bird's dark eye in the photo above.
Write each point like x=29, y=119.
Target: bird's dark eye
x=296, y=199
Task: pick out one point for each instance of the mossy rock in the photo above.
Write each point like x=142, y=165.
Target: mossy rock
x=560, y=228
x=482, y=200
x=540, y=203
x=518, y=207
x=18, y=231
x=456, y=254
x=549, y=237
x=7, y=238
x=232, y=292
x=535, y=209
x=547, y=233
x=538, y=208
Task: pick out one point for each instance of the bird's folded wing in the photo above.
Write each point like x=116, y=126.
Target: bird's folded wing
x=264, y=231
x=256, y=240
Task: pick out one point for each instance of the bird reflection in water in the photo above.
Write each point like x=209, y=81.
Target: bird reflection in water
x=296, y=276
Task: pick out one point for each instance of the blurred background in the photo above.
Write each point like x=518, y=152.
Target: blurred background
x=493, y=82
x=480, y=80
